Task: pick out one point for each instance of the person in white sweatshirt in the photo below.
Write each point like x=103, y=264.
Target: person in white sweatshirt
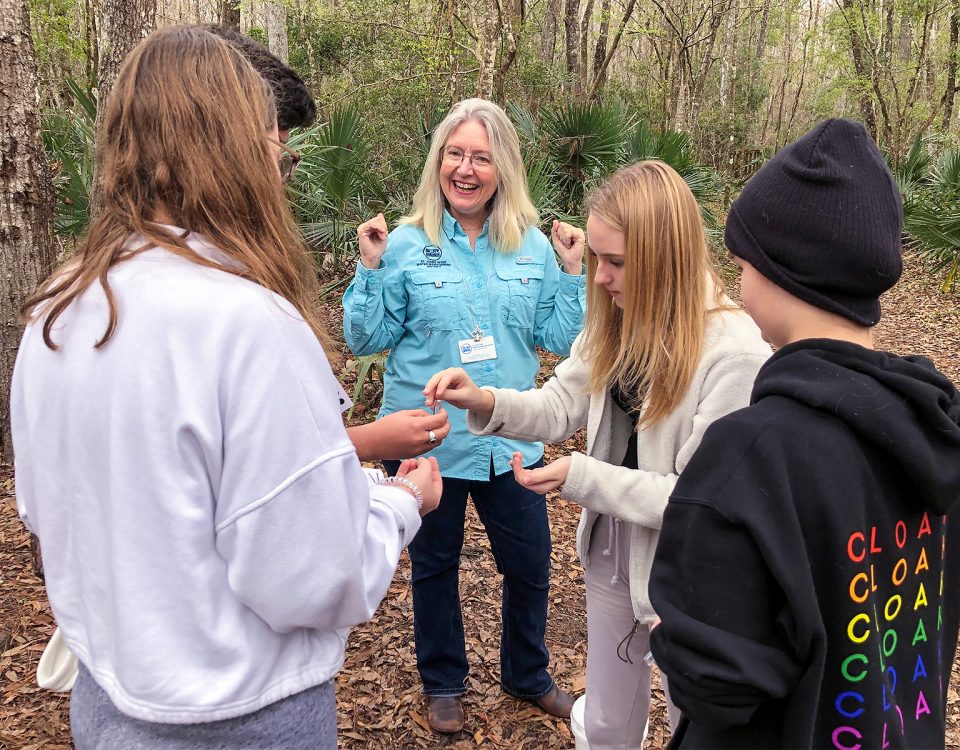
x=208, y=533
x=663, y=353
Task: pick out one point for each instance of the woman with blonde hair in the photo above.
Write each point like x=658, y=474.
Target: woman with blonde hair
x=208, y=533
x=663, y=353
x=468, y=279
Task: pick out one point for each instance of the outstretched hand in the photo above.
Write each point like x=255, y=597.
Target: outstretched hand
x=454, y=386
x=542, y=480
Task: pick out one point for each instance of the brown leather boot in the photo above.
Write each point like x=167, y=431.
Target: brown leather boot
x=445, y=715
x=556, y=703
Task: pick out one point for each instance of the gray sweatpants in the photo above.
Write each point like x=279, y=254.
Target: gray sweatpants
x=618, y=692
x=305, y=721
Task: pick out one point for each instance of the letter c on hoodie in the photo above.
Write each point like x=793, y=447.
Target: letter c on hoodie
x=863, y=542
x=856, y=697
x=866, y=633
x=846, y=730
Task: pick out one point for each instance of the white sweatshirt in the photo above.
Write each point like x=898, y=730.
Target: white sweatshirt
x=730, y=357
x=208, y=533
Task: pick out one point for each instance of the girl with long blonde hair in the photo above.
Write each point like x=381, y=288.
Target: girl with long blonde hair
x=663, y=353
x=208, y=534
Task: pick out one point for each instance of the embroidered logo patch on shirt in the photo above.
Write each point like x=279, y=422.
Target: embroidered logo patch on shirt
x=525, y=259
x=432, y=252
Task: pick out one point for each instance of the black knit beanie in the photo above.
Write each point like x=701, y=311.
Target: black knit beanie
x=822, y=220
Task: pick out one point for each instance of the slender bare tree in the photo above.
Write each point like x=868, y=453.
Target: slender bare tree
x=950, y=92
x=548, y=35
x=571, y=25
x=277, y=30
x=27, y=249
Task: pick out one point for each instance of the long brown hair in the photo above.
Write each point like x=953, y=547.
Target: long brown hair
x=652, y=345
x=183, y=141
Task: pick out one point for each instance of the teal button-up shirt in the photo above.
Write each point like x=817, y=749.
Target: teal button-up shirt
x=424, y=300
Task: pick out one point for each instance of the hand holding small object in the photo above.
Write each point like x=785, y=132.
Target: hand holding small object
x=454, y=386
x=406, y=433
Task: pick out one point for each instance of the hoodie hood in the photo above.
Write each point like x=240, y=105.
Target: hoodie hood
x=901, y=405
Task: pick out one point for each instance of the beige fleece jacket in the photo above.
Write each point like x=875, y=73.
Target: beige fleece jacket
x=732, y=354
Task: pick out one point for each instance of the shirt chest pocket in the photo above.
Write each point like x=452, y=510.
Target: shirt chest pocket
x=437, y=293
x=520, y=286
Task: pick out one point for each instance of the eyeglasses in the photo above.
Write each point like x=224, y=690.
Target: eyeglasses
x=454, y=157
x=287, y=164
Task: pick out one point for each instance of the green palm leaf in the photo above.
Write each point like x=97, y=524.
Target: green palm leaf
x=914, y=168
x=674, y=149
x=946, y=171
x=68, y=140
x=333, y=189
x=934, y=232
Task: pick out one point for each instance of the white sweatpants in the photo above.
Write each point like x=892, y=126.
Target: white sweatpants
x=618, y=692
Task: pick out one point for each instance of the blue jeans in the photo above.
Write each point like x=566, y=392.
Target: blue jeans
x=515, y=520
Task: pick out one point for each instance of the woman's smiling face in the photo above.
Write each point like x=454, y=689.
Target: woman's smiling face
x=468, y=176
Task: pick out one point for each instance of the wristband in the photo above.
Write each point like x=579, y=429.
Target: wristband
x=417, y=494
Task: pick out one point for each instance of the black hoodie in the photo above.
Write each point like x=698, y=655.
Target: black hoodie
x=806, y=575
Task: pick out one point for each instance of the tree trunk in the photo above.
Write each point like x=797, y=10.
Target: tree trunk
x=864, y=75
x=703, y=70
x=762, y=36
x=571, y=25
x=123, y=24
x=27, y=250
x=728, y=61
x=230, y=14
x=761, y=47
x=600, y=51
x=511, y=15
x=90, y=37
x=548, y=36
x=584, y=66
x=450, y=31
x=277, y=30
x=950, y=92
x=601, y=74
x=487, y=41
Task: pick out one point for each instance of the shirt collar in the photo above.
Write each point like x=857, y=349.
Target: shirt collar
x=199, y=244
x=451, y=226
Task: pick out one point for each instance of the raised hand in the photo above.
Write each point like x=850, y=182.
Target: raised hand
x=425, y=474
x=542, y=480
x=569, y=242
x=372, y=237
x=454, y=386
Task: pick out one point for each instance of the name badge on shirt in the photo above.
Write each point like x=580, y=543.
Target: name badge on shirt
x=477, y=351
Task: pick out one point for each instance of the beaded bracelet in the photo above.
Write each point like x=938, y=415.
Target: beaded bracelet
x=417, y=494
